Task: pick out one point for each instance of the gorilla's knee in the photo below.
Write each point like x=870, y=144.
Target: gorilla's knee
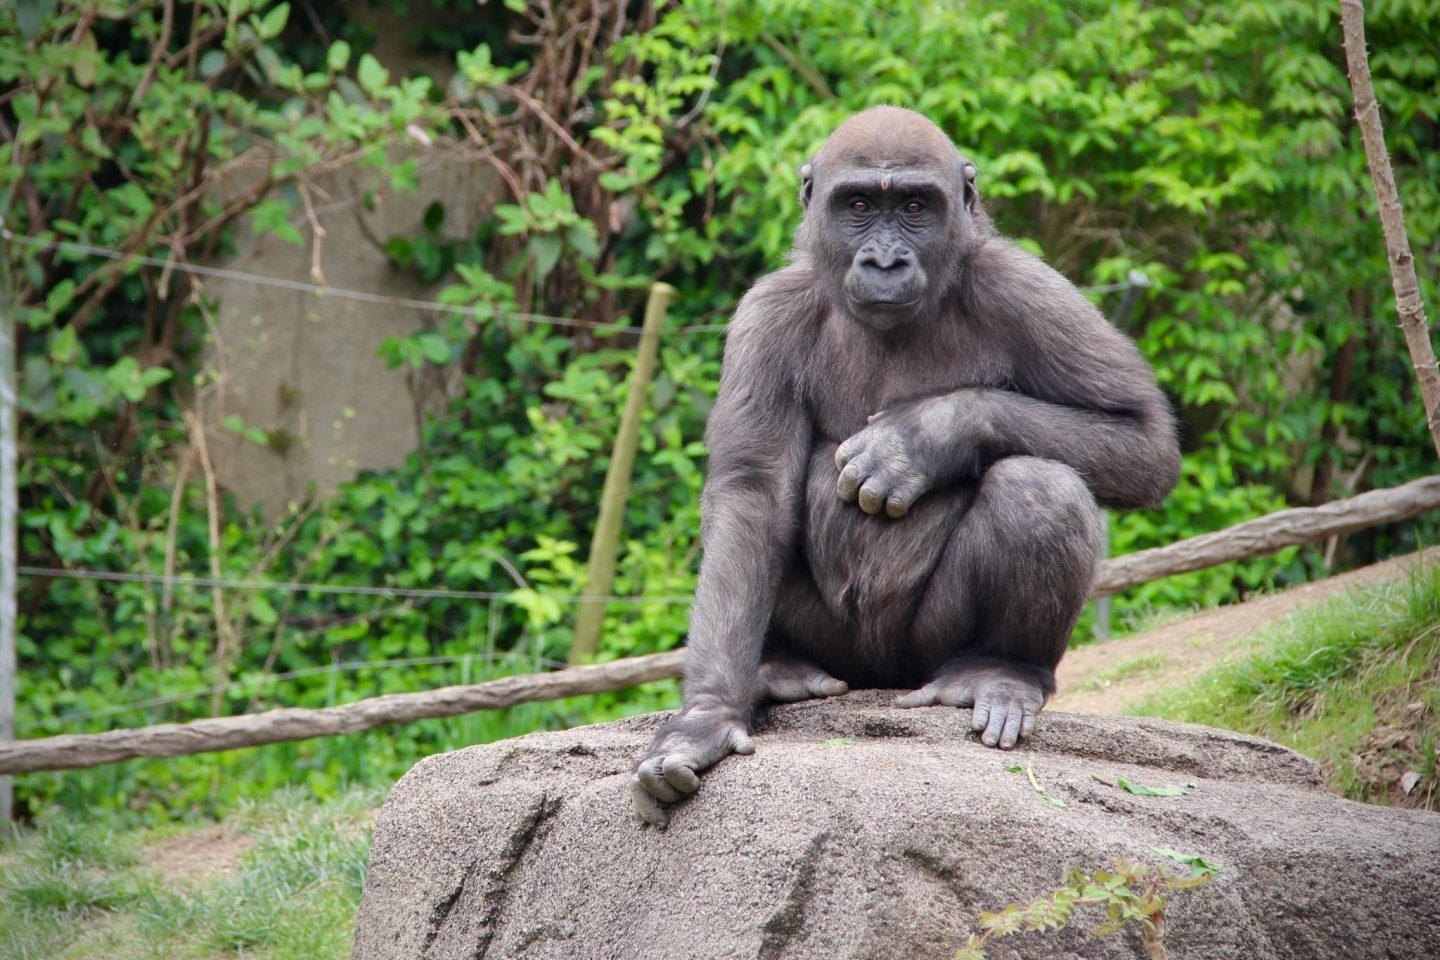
x=1044, y=501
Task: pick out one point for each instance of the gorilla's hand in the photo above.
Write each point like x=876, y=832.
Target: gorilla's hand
x=903, y=452
x=690, y=742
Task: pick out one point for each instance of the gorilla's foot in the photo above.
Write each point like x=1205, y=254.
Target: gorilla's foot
x=787, y=679
x=1006, y=697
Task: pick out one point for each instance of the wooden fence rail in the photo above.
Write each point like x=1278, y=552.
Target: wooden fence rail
x=1250, y=539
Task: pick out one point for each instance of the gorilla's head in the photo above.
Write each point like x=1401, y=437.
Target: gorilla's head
x=891, y=208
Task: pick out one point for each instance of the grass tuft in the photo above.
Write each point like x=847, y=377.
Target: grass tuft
x=1353, y=682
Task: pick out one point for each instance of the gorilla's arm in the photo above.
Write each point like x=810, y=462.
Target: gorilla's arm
x=1083, y=396
x=759, y=439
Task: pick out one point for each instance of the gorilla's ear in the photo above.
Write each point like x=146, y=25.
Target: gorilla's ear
x=972, y=192
x=807, y=183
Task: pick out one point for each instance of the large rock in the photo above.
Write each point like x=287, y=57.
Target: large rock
x=887, y=846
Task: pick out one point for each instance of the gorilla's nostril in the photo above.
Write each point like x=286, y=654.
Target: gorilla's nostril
x=888, y=260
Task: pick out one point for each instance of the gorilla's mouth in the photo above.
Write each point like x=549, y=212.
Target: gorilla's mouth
x=885, y=302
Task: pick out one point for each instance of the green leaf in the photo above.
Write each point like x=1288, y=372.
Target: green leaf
x=212, y=62
x=371, y=76
x=261, y=610
x=1199, y=866
x=838, y=742
x=60, y=295
x=64, y=347
x=273, y=23
x=434, y=217
x=31, y=15
x=1140, y=790
x=337, y=58
x=545, y=251
x=434, y=348
x=84, y=65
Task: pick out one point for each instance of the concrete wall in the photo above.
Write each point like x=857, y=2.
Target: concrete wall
x=305, y=368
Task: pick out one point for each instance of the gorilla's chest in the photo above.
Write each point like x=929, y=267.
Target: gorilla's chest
x=850, y=378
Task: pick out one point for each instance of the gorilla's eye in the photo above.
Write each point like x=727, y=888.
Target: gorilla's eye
x=859, y=205
x=914, y=206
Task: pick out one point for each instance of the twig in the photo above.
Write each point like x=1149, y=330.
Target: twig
x=1392, y=217
x=217, y=595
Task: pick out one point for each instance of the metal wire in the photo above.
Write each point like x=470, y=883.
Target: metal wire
x=351, y=665
x=87, y=249
x=422, y=593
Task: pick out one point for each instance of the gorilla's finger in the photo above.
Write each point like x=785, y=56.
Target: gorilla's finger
x=848, y=486
x=647, y=808
x=872, y=495
x=1027, y=726
x=957, y=695
x=902, y=498
x=924, y=697
x=741, y=743
x=822, y=686
x=1013, y=721
x=844, y=453
x=994, y=726
x=653, y=779
x=981, y=716
x=680, y=776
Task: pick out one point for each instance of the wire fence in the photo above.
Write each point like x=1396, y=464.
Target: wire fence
x=251, y=683
x=284, y=586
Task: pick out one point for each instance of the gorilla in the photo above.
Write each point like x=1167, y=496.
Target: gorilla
x=916, y=420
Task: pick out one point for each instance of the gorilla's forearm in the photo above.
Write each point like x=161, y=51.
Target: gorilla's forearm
x=1129, y=459
x=738, y=580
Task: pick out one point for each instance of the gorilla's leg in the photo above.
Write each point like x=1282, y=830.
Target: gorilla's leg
x=1008, y=589
x=788, y=678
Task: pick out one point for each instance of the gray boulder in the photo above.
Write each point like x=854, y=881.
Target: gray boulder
x=861, y=830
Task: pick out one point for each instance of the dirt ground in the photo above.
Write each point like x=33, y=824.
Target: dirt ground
x=194, y=856
x=1105, y=678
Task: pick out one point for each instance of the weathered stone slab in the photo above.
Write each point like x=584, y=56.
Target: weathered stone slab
x=889, y=846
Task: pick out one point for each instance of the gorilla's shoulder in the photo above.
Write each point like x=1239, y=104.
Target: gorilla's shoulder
x=780, y=308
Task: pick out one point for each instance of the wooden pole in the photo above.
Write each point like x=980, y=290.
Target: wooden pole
x=9, y=507
x=1272, y=532
x=74, y=751
x=1392, y=217
x=606, y=540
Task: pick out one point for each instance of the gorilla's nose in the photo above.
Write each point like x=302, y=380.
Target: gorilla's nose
x=895, y=256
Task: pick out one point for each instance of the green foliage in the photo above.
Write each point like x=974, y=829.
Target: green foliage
x=1208, y=144
x=1131, y=893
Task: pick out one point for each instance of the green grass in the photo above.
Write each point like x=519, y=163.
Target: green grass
x=82, y=891
x=1354, y=683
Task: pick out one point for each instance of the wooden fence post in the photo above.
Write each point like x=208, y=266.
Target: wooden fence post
x=9, y=505
x=617, y=482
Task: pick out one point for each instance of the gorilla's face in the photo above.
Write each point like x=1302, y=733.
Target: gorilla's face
x=890, y=213
x=888, y=225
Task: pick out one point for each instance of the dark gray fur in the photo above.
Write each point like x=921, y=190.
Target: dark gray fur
x=979, y=406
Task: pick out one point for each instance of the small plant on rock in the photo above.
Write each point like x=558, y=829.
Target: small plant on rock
x=1129, y=892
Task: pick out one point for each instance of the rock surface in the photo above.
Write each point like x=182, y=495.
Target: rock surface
x=860, y=830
